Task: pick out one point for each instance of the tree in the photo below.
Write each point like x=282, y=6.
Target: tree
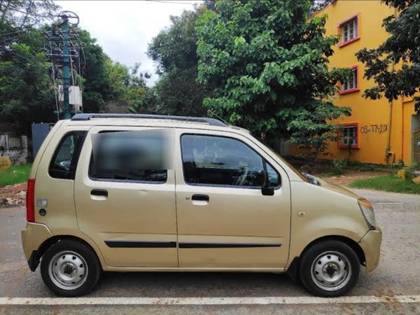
x=395, y=64
x=128, y=85
x=175, y=50
x=267, y=63
x=26, y=91
x=97, y=88
x=26, y=87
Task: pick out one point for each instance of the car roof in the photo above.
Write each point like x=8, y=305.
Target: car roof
x=146, y=120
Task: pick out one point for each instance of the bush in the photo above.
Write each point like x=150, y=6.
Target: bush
x=411, y=171
x=338, y=166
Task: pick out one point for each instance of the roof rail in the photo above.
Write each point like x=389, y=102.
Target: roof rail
x=210, y=121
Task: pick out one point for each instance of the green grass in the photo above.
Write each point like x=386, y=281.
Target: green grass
x=387, y=183
x=15, y=175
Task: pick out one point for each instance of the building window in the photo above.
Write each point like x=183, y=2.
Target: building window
x=348, y=137
x=350, y=84
x=349, y=31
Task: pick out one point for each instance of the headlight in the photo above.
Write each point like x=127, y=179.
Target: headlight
x=367, y=210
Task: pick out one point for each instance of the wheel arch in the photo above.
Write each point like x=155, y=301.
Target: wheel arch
x=293, y=268
x=37, y=254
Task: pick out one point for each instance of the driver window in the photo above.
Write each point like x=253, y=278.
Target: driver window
x=63, y=163
x=215, y=160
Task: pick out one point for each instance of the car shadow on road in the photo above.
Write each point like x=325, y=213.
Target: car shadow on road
x=204, y=284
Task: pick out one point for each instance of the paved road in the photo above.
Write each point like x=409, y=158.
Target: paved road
x=397, y=274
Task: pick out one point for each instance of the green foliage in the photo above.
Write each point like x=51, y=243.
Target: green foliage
x=97, y=85
x=127, y=85
x=266, y=62
x=402, y=46
x=174, y=49
x=26, y=88
x=26, y=92
x=339, y=166
x=15, y=175
x=387, y=183
x=412, y=171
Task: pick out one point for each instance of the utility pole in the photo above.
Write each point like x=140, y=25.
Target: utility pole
x=64, y=52
x=66, y=67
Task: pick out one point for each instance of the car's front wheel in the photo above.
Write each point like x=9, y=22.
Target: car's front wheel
x=329, y=268
x=70, y=268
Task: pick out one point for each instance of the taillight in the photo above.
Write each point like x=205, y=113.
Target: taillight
x=30, y=201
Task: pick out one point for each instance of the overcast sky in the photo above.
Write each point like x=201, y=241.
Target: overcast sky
x=125, y=28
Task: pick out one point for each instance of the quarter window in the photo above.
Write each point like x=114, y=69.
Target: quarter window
x=214, y=160
x=138, y=156
x=64, y=162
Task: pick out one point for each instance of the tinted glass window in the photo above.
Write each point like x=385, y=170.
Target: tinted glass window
x=222, y=161
x=129, y=156
x=64, y=161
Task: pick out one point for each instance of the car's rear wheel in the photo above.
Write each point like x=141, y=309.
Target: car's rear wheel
x=329, y=268
x=70, y=268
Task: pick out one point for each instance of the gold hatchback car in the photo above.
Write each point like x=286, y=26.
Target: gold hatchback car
x=116, y=192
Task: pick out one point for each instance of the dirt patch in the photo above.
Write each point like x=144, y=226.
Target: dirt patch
x=13, y=195
x=350, y=177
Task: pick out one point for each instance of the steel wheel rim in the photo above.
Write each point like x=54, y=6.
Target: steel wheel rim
x=68, y=270
x=331, y=271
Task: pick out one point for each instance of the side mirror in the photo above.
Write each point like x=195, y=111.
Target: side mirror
x=266, y=190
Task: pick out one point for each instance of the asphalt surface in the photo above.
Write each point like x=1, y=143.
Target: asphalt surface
x=398, y=274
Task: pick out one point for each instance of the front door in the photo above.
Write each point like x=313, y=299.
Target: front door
x=125, y=196
x=224, y=220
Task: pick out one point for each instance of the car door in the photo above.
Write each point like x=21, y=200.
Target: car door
x=125, y=196
x=224, y=220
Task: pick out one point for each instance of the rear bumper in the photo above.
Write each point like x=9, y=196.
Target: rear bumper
x=371, y=245
x=32, y=238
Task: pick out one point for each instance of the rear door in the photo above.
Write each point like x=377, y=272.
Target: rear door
x=125, y=196
x=224, y=220
x=55, y=179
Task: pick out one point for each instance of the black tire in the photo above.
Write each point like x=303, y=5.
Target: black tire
x=317, y=256
x=82, y=252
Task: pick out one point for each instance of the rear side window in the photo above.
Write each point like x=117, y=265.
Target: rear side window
x=135, y=156
x=217, y=160
x=64, y=161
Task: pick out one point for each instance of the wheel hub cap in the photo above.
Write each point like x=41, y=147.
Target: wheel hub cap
x=68, y=270
x=331, y=271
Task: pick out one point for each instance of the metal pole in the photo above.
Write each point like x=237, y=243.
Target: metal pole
x=66, y=67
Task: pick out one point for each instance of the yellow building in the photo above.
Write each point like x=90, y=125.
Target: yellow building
x=377, y=131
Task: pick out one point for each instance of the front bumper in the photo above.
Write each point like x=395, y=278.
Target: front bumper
x=371, y=245
x=32, y=238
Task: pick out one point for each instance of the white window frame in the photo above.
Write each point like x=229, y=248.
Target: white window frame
x=349, y=133
x=349, y=30
x=350, y=84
